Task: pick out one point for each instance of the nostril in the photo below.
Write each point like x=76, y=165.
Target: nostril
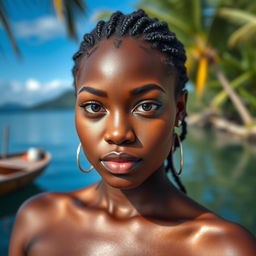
x=119, y=138
x=118, y=142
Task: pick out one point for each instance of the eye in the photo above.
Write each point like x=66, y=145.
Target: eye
x=147, y=107
x=93, y=107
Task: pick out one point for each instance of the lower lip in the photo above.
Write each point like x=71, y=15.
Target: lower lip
x=120, y=167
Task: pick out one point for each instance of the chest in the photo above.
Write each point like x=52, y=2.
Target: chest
x=99, y=237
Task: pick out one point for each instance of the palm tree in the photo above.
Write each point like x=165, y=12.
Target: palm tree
x=247, y=20
x=242, y=40
x=65, y=10
x=198, y=26
x=241, y=68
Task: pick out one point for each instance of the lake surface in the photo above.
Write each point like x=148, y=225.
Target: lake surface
x=220, y=172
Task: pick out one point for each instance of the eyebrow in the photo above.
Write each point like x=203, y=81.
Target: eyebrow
x=140, y=90
x=93, y=91
x=146, y=88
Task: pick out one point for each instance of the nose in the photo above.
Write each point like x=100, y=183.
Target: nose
x=119, y=130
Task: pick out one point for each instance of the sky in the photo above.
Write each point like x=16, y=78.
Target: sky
x=44, y=71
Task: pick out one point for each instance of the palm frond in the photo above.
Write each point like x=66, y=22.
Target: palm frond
x=69, y=10
x=7, y=27
x=58, y=6
x=243, y=34
x=201, y=76
x=102, y=15
x=222, y=96
x=171, y=18
x=197, y=14
x=237, y=16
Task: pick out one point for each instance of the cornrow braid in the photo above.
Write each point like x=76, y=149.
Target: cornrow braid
x=98, y=29
x=130, y=20
x=140, y=25
x=158, y=26
x=112, y=23
x=157, y=34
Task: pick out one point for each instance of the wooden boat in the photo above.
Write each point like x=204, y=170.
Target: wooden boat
x=16, y=170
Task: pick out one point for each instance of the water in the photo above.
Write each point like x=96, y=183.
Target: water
x=219, y=171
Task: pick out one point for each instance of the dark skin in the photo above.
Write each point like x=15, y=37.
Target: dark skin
x=141, y=212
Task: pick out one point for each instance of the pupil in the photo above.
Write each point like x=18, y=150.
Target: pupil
x=95, y=107
x=146, y=106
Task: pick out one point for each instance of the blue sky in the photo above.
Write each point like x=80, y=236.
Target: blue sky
x=45, y=68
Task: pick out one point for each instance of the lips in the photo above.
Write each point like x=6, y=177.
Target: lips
x=120, y=163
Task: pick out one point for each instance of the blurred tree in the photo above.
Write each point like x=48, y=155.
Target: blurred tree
x=247, y=20
x=64, y=9
x=205, y=33
x=241, y=68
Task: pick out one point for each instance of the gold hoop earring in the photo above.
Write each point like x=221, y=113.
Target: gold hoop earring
x=176, y=136
x=78, y=161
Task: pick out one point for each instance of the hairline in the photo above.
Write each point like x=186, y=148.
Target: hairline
x=170, y=70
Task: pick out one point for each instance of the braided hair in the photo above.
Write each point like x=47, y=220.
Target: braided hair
x=157, y=34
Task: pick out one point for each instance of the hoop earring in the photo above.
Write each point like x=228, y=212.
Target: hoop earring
x=78, y=161
x=176, y=136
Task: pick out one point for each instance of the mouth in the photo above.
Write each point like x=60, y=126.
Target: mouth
x=120, y=163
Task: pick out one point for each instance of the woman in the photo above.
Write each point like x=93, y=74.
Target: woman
x=129, y=77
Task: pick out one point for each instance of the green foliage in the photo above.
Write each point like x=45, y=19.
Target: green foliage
x=206, y=27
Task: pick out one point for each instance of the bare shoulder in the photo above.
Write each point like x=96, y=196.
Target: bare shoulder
x=39, y=214
x=33, y=216
x=40, y=207
x=215, y=236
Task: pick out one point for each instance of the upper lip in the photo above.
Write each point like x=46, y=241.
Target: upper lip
x=119, y=157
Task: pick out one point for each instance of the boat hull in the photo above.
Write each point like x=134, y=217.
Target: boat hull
x=14, y=178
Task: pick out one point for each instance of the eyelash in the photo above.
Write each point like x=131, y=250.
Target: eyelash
x=90, y=104
x=84, y=106
x=157, y=106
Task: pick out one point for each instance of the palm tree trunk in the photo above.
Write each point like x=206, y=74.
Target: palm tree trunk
x=238, y=104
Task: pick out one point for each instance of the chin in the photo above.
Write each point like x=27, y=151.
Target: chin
x=123, y=182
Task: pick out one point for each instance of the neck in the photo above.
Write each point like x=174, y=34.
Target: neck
x=149, y=199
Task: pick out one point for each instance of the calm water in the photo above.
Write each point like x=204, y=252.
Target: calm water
x=219, y=171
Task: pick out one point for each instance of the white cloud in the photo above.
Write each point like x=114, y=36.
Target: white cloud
x=56, y=84
x=32, y=85
x=31, y=91
x=42, y=28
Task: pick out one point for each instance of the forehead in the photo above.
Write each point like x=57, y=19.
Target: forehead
x=122, y=61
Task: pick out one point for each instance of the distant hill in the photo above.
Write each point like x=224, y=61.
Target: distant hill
x=12, y=107
x=65, y=100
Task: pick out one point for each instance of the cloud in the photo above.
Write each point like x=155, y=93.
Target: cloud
x=32, y=85
x=31, y=91
x=42, y=28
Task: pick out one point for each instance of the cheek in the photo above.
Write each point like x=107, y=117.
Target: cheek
x=156, y=137
x=89, y=133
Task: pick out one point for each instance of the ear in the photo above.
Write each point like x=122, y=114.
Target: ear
x=181, y=104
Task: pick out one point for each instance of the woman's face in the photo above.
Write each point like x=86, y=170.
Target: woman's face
x=126, y=104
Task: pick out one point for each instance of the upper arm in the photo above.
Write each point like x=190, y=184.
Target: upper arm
x=21, y=230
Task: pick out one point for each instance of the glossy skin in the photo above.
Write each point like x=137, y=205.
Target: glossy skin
x=140, y=212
